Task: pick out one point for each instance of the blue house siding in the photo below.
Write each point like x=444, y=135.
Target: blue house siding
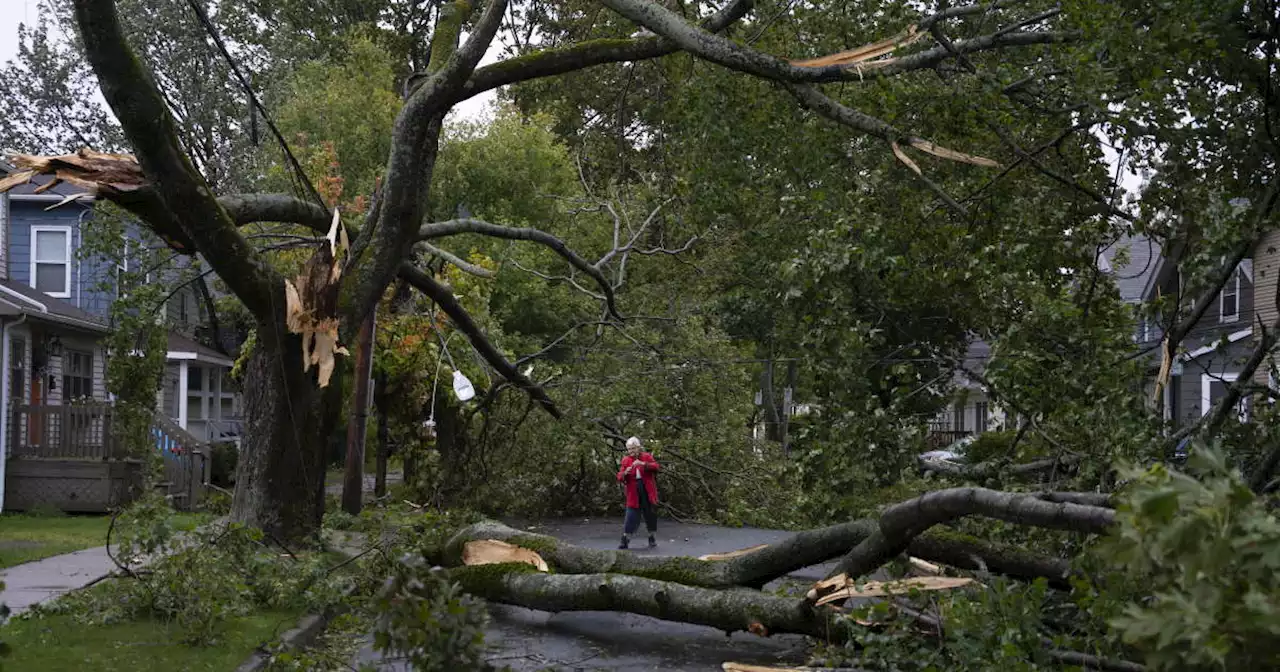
x=86, y=274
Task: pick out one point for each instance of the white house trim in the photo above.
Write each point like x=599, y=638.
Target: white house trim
x=1206, y=385
x=1231, y=338
x=188, y=356
x=67, y=262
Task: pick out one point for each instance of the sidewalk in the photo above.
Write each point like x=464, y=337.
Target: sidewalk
x=35, y=582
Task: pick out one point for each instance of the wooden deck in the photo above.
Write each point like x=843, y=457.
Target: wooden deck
x=68, y=457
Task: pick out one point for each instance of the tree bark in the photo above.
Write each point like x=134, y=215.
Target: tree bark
x=902, y=523
x=800, y=550
x=730, y=610
x=280, y=475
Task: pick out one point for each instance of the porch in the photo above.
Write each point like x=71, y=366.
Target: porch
x=68, y=457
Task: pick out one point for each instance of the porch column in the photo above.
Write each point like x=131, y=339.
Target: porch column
x=182, y=393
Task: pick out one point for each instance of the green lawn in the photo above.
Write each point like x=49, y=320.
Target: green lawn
x=24, y=538
x=58, y=643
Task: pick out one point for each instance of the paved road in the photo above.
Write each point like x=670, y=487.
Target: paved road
x=530, y=640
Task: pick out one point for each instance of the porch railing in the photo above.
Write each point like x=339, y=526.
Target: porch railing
x=73, y=431
x=939, y=439
x=82, y=432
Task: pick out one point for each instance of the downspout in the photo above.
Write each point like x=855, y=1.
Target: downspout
x=79, y=264
x=7, y=344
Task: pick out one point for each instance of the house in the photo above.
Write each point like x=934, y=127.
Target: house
x=1214, y=351
x=970, y=410
x=54, y=308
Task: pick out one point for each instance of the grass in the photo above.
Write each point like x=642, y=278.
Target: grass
x=26, y=537
x=57, y=643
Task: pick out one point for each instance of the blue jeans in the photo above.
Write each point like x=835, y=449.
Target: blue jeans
x=632, y=520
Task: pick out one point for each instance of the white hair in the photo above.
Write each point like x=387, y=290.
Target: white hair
x=633, y=442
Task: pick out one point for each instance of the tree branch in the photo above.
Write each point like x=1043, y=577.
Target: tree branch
x=901, y=523
x=458, y=226
x=552, y=62
x=462, y=320
x=450, y=257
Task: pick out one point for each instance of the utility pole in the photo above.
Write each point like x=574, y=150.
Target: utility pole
x=380, y=401
x=353, y=482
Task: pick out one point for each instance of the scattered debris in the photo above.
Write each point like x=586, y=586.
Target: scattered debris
x=840, y=588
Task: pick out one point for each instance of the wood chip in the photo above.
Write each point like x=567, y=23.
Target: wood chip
x=925, y=567
x=732, y=554
x=492, y=551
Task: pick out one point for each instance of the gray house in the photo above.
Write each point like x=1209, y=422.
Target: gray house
x=1214, y=351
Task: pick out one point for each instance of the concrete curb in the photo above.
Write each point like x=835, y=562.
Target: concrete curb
x=309, y=627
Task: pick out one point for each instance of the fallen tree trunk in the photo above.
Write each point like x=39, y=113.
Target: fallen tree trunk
x=730, y=610
x=755, y=569
x=901, y=523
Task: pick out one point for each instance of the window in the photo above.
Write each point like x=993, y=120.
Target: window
x=77, y=375
x=51, y=260
x=957, y=417
x=1229, y=301
x=17, y=370
x=1214, y=387
x=980, y=416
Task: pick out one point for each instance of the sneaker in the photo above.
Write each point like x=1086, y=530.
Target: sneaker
x=624, y=543
x=652, y=542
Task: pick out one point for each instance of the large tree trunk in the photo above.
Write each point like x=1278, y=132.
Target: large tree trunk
x=730, y=610
x=800, y=550
x=280, y=476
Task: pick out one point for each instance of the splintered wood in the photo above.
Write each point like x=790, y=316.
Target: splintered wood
x=732, y=554
x=840, y=588
x=312, y=303
x=859, y=57
x=492, y=552
x=98, y=173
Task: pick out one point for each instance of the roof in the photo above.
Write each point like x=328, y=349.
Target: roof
x=1133, y=277
x=180, y=348
x=19, y=299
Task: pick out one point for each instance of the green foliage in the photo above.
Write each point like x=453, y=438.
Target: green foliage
x=1205, y=552
x=222, y=468
x=199, y=579
x=428, y=620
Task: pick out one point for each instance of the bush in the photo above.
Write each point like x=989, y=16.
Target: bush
x=223, y=462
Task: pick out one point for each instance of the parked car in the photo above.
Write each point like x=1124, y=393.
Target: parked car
x=937, y=460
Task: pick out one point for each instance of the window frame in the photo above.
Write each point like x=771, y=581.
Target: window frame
x=1243, y=412
x=35, y=261
x=1223, y=316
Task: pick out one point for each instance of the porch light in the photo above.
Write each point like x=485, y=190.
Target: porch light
x=462, y=387
x=55, y=347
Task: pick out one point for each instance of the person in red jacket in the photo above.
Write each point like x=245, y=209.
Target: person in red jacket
x=637, y=475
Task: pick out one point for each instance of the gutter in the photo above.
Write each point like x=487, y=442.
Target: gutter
x=6, y=342
x=23, y=297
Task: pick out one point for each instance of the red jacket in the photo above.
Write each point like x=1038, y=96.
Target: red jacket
x=629, y=479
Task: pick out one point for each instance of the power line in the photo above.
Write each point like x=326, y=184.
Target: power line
x=253, y=98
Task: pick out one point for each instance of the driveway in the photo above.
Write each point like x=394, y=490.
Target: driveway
x=528, y=640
